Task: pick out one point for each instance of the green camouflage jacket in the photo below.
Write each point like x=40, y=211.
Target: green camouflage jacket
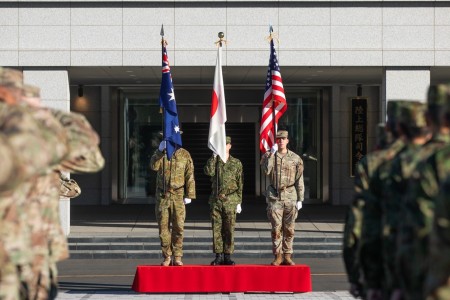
x=178, y=177
x=230, y=179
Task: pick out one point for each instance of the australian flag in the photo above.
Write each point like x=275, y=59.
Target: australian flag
x=167, y=101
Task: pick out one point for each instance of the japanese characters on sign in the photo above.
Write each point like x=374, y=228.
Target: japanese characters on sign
x=358, y=127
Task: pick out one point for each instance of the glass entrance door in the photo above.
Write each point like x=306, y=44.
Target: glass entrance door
x=141, y=122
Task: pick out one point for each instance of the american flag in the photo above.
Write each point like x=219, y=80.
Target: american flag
x=274, y=99
x=172, y=133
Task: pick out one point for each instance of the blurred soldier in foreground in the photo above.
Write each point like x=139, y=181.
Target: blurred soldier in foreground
x=391, y=185
x=50, y=243
x=284, y=196
x=423, y=187
x=438, y=278
x=353, y=221
x=225, y=201
x=369, y=252
x=69, y=188
x=175, y=188
x=35, y=148
x=35, y=224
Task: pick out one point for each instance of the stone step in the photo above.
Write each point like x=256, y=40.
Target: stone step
x=196, y=246
x=208, y=255
x=128, y=247
x=154, y=239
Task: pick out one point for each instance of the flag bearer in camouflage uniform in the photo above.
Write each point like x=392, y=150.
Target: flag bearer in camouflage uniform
x=225, y=201
x=393, y=176
x=353, y=221
x=423, y=187
x=174, y=189
x=36, y=147
x=369, y=252
x=284, y=196
x=437, y=284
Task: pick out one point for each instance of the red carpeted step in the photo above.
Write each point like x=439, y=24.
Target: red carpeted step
x=205, y=279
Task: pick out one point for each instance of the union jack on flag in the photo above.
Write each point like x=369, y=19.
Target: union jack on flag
x=172, y=133
x=274, y=103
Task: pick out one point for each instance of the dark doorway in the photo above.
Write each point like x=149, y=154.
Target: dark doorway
x=195, y=140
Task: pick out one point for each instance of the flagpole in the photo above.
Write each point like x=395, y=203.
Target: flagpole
x=273, y=119
x=161, y=110
x=219, y=42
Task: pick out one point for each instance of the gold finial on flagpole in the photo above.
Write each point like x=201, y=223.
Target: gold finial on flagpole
x=163, y=41
x=272, y=35
x=221, y=40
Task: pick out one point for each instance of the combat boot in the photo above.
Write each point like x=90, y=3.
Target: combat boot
x=177, y=261
x=287, y=260
x=166, y=261
x=218, y=260
x=227, y=260
x=278, y=259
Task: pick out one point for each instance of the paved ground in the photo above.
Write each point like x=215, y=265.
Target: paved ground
x=112, y=278
x=231, y=296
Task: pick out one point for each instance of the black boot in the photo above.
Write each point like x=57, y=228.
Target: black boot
x=227, y=260
x=218, y=261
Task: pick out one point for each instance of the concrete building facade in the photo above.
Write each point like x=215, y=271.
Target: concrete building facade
x=103, y=58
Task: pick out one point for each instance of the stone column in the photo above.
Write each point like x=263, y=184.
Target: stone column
x=404, y=83
x=55, y=93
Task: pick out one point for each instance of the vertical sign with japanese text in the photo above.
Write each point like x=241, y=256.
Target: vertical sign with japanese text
x=358, y=127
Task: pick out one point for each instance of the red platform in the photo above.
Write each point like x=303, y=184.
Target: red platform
x=240, y=278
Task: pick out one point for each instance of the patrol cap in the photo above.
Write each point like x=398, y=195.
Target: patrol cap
x=381, y=135
x=439, y=95
x=412, y=114
x=31, y=91
x=31, y=95
x=11, y=78
x=228, y=139
x=392, y=110
x=282, y=134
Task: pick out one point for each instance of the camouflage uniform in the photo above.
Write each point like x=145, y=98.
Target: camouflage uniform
x=418, y=212
x=84, y=156
x=437, y=284
x=353, y=220
x=370, y=247
x=393, y=176
x=179, y=182
x=36, y=146
x=69, y=188
x=281, y=208
x=353, y=223
x=223, y=205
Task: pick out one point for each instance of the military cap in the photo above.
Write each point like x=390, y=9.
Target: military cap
x=392, y=110
x=282, y=134
x=228, y=139
x=439, y=95
x=11, y=78
x=412, y=114
x=31, y=91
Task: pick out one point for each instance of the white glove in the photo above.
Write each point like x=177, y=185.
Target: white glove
x=238, y=208
x=299, y=205
x=162, y=146
x=274, y=148
x=187, y=200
